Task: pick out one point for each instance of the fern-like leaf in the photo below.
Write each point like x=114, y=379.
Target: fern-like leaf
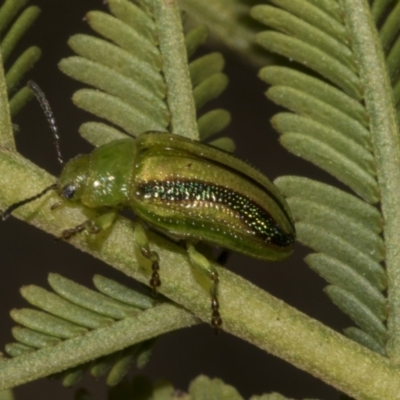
x=330, y=126
x=127, y=68
x=73, y=310
x=15, y=20
x=390, y=37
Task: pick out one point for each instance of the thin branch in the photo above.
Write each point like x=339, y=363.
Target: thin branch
x=6, y=131
x=175, y=69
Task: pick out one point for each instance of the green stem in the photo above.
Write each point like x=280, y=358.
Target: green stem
x=6, y=131
x=265, y=321
x=175, y=69
x=385, y=140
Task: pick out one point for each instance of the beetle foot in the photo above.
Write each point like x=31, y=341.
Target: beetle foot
x=155, y=280
x=88, y=226
x=68, y=233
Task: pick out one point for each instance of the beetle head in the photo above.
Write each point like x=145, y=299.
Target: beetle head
x=73, y=179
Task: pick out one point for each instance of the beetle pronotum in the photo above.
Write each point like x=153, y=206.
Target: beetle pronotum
x=183, y=188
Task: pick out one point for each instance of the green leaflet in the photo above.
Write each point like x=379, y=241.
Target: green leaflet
x=60, y=307
x=311, y=56
x=119, y=60
x=98, y=133
x=357, y=311
x=47, y=324
x=116, y=111
x=293, y=26
x=306, y=104
x=390, y=27
x=17, y=31
x=340, y=274
x=365, y=339
x=213, y=122
x=122, y=293
x=206, y=66
x=209, y=89
x=336, y=199
x=287, y=123
x=21, y=19
x=328, y=94
x=195, y=38
x=314, y=15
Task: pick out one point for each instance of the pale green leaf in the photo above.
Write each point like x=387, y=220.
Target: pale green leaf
x=365, y=339
x=358, y=312
x=341, y=275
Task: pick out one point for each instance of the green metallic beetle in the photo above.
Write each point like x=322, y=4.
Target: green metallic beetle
x=183, y=188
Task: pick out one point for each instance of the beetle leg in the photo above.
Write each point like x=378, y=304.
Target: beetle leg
x=95, y=226
x=216, y=320
x=202, y=264
x=68, y=233
x=143, y=243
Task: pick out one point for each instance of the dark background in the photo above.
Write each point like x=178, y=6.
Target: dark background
x=27, y=254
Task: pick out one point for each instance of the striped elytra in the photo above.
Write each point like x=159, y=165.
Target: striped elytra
x=199, y=197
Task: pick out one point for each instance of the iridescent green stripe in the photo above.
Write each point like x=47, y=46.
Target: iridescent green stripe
x=251, y=214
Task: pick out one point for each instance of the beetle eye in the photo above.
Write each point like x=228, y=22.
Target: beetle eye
x=69, y=191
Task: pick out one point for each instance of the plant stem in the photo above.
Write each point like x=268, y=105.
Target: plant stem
x=386, y=146
x=175, y=69
x=6, y=131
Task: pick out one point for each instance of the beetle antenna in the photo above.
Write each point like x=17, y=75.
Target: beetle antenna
x=48, y=112
x=6, y=213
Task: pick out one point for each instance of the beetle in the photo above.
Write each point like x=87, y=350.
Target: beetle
x=182, y=188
